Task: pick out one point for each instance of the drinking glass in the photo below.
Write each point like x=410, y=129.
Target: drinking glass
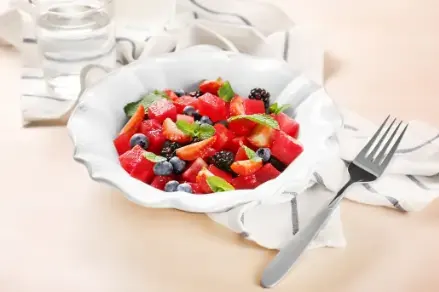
x=72, y=34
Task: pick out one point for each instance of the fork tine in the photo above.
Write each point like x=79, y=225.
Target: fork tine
x=377, y=147
x=369, y=144
x=392, y=151
x=382, y=153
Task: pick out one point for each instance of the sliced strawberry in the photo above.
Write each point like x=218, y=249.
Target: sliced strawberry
x=202, y=180
x=191, y=173
x=261, y=136
x=253, y=106
x=171, y=132
x=287, y=124
x=211, y=86
x=285, y=148
x=245, y=182
x=171, y=94
x=237, y=106
x=208, y=153
x=221, y=173
x=241, y=155
x=184, y=101
x=246, y=167
x=196, y=189
x=223, y=136
x=122, y=142
x=186, y=118
x=159, y=182
x=195, y=150
x=162, y=109
x=266, y=173
x=137, y=165
x=212, y=106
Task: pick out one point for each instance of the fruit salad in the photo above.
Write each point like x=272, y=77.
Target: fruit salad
x=207, y=141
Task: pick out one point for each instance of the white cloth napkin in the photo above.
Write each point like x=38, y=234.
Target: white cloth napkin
x=257, y=28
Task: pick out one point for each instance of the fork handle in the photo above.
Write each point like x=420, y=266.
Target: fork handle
x=287, y=256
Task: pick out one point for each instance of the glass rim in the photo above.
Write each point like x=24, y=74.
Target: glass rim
x=47, y=4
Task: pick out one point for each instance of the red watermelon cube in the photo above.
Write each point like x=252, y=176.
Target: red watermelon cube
x=285, y=148
x=162, y=109
x=288, y=125
x=266, y=173
x=253, y=106
x=212, y=106
x=191, y=173
x=137, y=165
x=245, y=182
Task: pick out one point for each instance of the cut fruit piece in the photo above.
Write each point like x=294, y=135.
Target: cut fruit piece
x=261, y=136
x=137, y=165
x=156, y=140
x=211, y=86
x=173, y=133
x=237, y=106
x=196, y=189
x=221, y=173
x=202, y=180
x=246, y=167
x=191, y=173
x=195, y=150
x=185, y=118
x=285, y=148
x=287, y=124
x=236, y=143
x=184, y=101
x=171, y=94
x=159, y=182
x=149, y=125
x=241, y=154
x=209, y=152
x=245, y=182
x=162, y=109
x=223, y=136
x=266, y=173
x=212, y=106
x=253, y=106
x=241, y=127
x=122, y=141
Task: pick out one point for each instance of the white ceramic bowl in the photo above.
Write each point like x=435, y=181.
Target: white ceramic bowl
x=99, y=116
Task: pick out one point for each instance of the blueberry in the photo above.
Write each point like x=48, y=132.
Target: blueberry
x=139, y=139
x=163, y=168
x=171, y=186
x=264, y=153
x=177, y=164
x=184, y=187
x=197, y=116
x=206, y=120
x=224, y=123
x=180, y=92
x=189, y=110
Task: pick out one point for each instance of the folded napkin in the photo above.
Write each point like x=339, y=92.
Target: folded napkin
x=260, y=29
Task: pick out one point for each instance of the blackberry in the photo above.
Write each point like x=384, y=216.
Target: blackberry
x=260, y=94
x=169, y=147
x=277, y=164
x=196, y=94
x=223, y=160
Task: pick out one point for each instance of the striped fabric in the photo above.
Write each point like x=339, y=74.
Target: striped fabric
x=257, y=28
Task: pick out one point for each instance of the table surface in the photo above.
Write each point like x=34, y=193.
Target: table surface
x=60, y=231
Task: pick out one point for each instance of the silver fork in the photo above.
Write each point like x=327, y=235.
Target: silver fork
x=369, y=165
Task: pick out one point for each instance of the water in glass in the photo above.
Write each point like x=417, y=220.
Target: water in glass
x=71, y=35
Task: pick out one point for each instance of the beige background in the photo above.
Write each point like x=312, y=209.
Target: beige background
x=59, y=231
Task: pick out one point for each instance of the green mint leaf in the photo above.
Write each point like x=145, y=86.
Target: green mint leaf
x=262, y=119
x=218, y=184
x=275, y=109
x=161, y=93
x=146, y=101
x=152, y=157
x=250, y=153
x=187, y=128
x=225, y=92
x=206, y=131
